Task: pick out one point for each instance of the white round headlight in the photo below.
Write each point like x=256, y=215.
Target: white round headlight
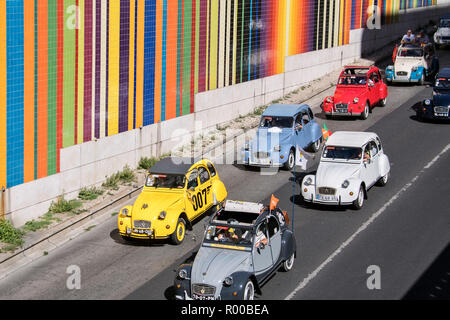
x=428, y=102
x=162, y=215
x=228, y=281
x=356, y=100
x=308, y=181
x=345, y=184
x=329, y=99
x=247, y=146
x=277, y=148
x=182, y=274
x=125, y=212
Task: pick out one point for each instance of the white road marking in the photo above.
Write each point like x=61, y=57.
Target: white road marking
x=314, y=274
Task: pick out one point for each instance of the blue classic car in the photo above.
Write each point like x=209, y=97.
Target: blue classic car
x=438, y=106
x=283, y=129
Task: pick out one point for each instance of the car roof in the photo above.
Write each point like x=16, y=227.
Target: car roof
x=285, y=110
x=446, y=16
x=444, y=72
x=350, y=138
x=173, y=165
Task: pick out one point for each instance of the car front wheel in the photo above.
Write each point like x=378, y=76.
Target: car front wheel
x=249, y=291
x=315, y=146
x=180, y=232
x=366, y=112
x=289, y=165
x=359, y=202
x=289, y=263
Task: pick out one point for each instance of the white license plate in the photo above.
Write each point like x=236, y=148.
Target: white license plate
x=324, y=197
x=265, y=162
x=197, y=297
x=342, y=110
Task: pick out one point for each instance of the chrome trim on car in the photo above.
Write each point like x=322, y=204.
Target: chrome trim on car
x=142, y=224
x=327, y=191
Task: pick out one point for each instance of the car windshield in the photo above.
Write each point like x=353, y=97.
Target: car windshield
x=170, y=181
x=347, y=153
x=353, y=80
x=228, y=235
x=416, y=52
x=279, y=122
x=442, y=83
x=445, y=23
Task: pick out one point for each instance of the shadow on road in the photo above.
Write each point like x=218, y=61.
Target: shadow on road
x=434, y=284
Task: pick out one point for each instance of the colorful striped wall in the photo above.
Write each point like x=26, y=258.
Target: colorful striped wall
x=76, y=70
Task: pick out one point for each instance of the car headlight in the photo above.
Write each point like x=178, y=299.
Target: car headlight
x=329, y=100
x=345, y=184
x=247, y=146
x=390, y=68
x=356, y=100
x=162, y=215
x=228, y=281
x=308, y=181
x=414, y=69
x=427, y=102
x=126, y=212
x=277, y=148
x=182, y=274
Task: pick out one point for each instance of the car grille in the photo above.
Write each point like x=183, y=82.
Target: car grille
x=402, y=73
x=327, y=191
x=342, y=106
x=441, y=109
x=202, y=289
x=142, y=224
x=445, y=38
x=261, y=155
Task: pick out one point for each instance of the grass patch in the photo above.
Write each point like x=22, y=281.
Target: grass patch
x=147, y=163
x=63, y=206
x=90, y=228
x=90, y=193
x=122, y=177
x=260, y=110
x=10, y=235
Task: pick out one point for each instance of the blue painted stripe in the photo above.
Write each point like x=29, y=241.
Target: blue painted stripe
x=135, y=61
x=164, y=62
x=149, y=62
x=15, y=92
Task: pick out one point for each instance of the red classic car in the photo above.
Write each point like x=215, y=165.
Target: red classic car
x=358, y=90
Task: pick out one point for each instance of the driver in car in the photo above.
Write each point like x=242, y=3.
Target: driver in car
x=260, y=239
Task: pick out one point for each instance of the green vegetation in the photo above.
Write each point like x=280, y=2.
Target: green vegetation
x=10, y=235
x=90, y=193
x=125, y=176
x=147, y=163
x=260, y=110
x=63, y=206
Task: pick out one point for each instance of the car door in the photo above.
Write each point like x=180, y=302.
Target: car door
x=299, y=133
x=375, y=162
x=274, y=238
x=193, y=209
x=262, y=254
x=372, y=89
x=307, y=128
x=369, y=167
x=205, y=188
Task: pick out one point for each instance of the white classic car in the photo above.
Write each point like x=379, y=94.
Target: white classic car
x=442, y=34
x=351, y=163
x=410, y=65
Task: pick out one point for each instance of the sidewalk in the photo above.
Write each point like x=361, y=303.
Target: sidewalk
x=217, y=145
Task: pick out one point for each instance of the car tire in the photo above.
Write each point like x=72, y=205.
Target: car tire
x=422, y=79
x=289, y=263
x=315, y=147
x=290, y=163
x=365, y=113
x=383, y=102
x=249, y=290
x=383, y=180
x=180, y=232
x=359, y=202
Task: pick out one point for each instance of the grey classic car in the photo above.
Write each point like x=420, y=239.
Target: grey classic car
x=244, y=245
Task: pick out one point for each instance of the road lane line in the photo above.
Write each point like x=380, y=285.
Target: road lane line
x=314, y=274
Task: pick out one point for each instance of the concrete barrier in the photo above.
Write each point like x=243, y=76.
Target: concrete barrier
x=88, y=164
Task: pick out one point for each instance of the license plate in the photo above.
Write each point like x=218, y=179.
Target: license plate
x=438, y=114
x=262, y=161
x=342, y=110
x=197, y=297
x=324, y=197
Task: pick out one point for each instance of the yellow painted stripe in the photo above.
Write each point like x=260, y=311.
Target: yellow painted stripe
x=80, y=106
x=213, y=45
x=341, y=22
x=140, y=65
x=131, y=72
x=3, y=94
x=114, y=62
x=221, y=24
x=223, y=246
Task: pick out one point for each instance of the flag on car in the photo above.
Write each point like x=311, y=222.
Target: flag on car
x=302, y=157
x=273, y=203
x=325, y=132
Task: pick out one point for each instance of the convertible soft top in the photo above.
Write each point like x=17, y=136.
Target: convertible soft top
x=284, y=110
x=173, y=165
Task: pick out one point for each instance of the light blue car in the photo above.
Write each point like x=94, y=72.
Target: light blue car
x=282, y=130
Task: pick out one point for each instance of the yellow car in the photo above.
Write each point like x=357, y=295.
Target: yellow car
x=176, y=192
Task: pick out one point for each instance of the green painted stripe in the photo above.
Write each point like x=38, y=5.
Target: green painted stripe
x=52, y=85
x=187, y=44
x=69, y=73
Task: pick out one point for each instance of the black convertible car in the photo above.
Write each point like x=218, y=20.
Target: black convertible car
x=437, y=108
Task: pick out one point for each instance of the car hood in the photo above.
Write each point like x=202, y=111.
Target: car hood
x=443, y=32
x=406, y=64
x=348, y=94
x=441, y=98
x=266, y=139
x=213, y=265
x=333, y=174
x=149, y=204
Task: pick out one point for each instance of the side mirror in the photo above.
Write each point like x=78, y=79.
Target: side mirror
x=371, y=85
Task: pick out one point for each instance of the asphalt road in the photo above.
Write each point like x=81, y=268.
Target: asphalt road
x=402, y=228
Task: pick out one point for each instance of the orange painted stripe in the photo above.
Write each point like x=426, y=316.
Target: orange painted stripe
x=42, y=88
x=140, y=64
x=28, y=171
x=348, y=20
x=158, y=59
x=171, y=74
x=3, y=94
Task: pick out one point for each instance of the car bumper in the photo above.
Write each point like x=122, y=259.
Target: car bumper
x=340, y=198
x=273, y=161
x=151, y=236
x=345, y=114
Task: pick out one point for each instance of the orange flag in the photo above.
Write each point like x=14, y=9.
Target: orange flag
x=273, y=203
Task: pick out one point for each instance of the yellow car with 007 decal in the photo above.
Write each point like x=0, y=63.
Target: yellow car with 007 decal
x=176, y=192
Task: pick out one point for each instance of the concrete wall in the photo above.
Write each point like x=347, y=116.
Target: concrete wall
x=90, y=163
